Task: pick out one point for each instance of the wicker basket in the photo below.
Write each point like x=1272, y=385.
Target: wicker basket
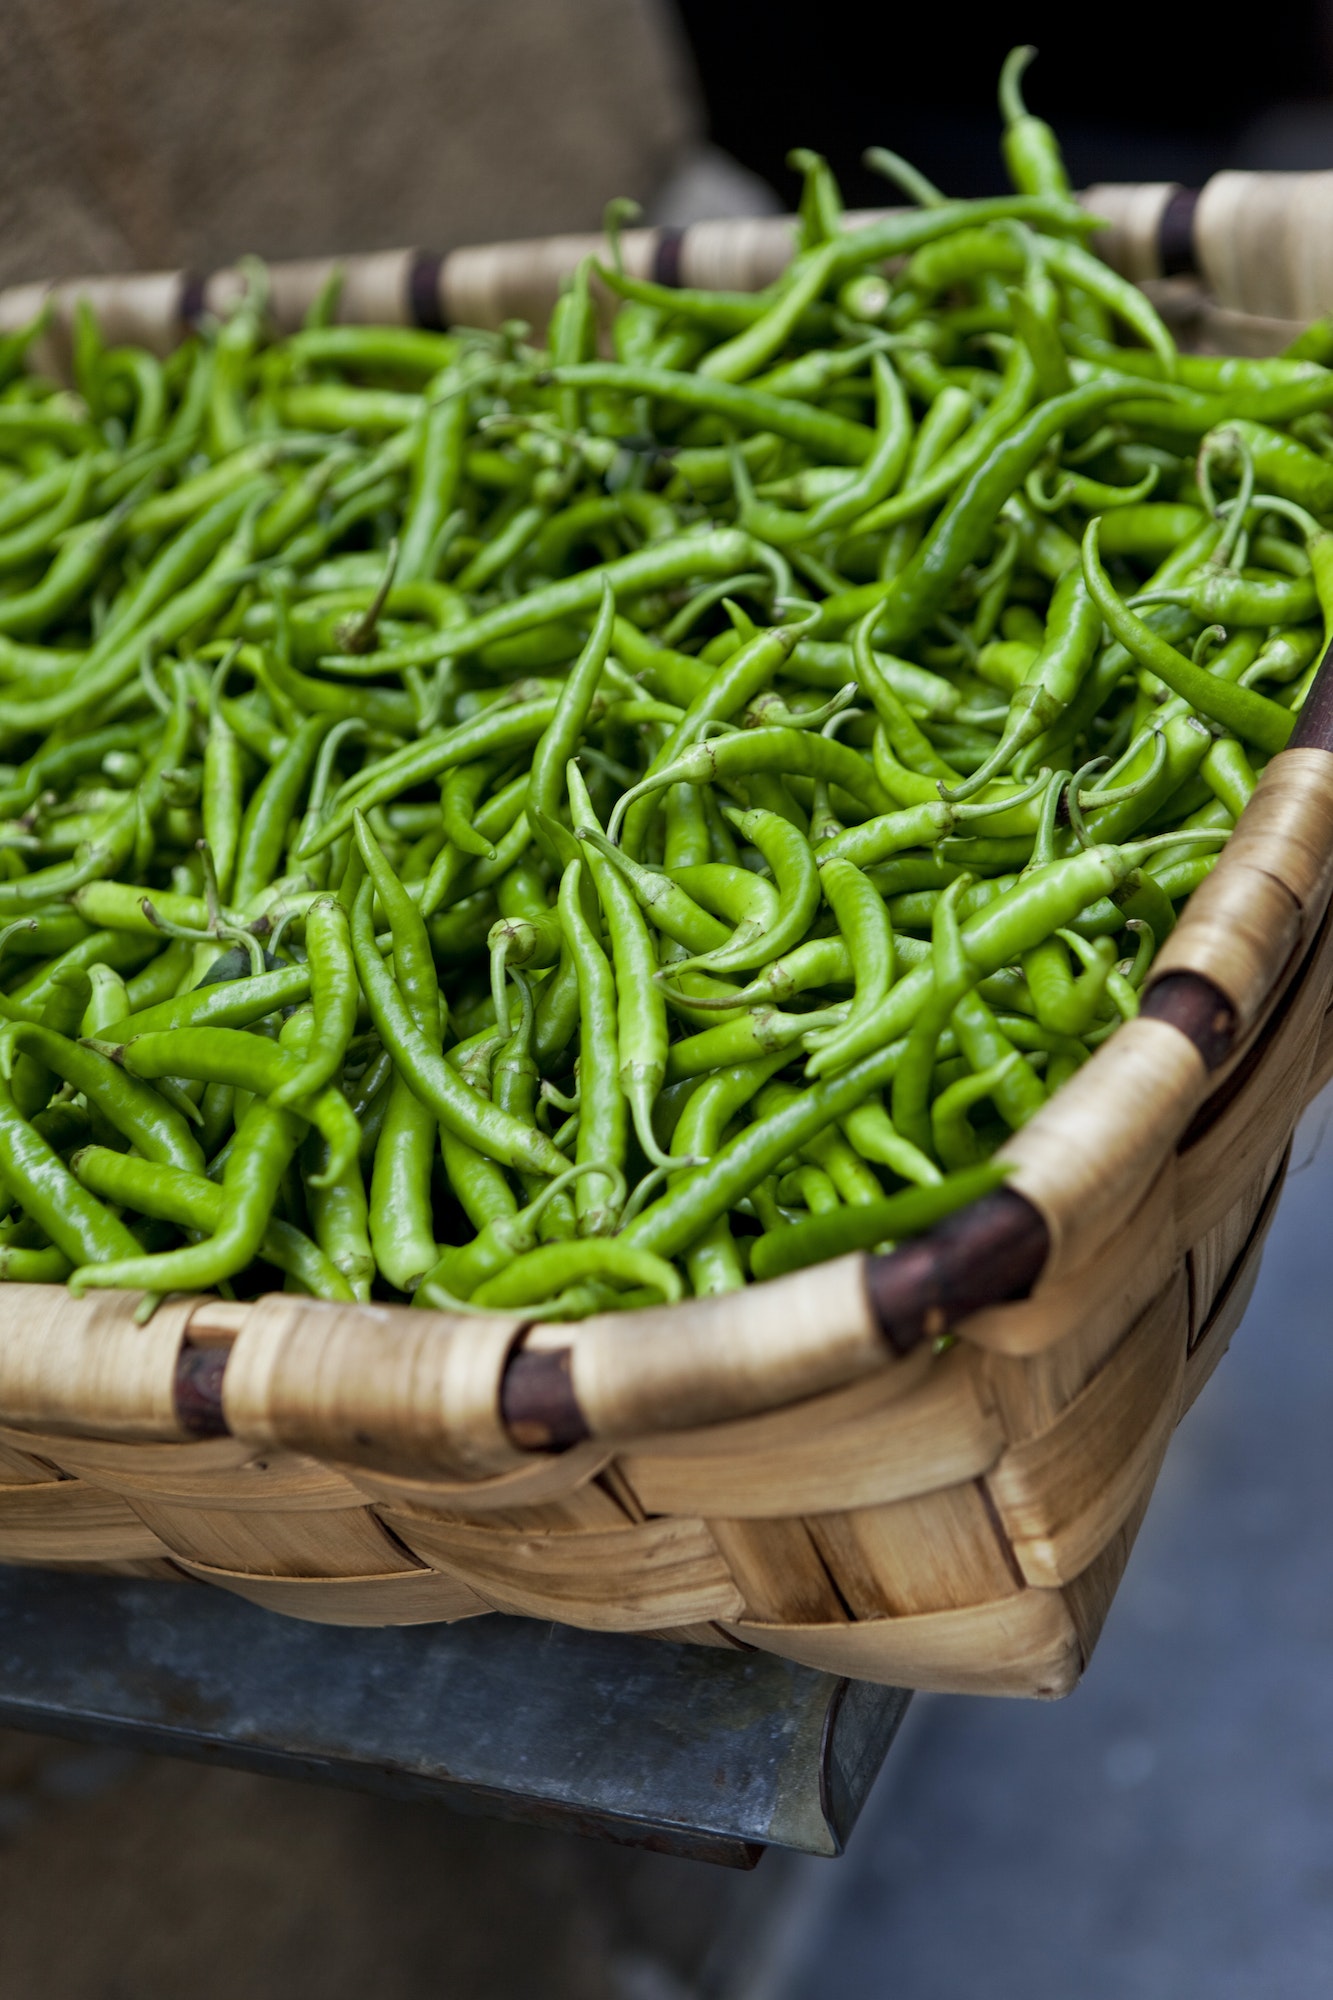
x=803, y=1467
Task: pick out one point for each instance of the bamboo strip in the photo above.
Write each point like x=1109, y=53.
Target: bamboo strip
x=613, y=1482
x=1024, y=1644
x=1259, y=335
x=18, y=1468
x=708, y=1360
x=20, y=304
x=1288, y=825
x=345, y=1542
x=696, y=1635
x=141, y=308
x=668, y=1572
x=544, y=1478
x=935, y=1552
x=216, y=1322
x=401, y=1597
x=1029, y=1392
x=1254, y=1113
x=372, y=1385
x=745, y=253
x=1062, y=1494
x=777, y=1568
x=210, y=1472
x=1242, y=939
x=82, y=1366
x=1261, y=240
x=589, y=1506
x=374, y=289
x=67, y=1521
x=486, y=284
x=1087, y=1159
x=1089, y=1595
x=856, y=1447
x=1241, y=242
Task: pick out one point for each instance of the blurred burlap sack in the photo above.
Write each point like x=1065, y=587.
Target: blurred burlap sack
x=143, y=134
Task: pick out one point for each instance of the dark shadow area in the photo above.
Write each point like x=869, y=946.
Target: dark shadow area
x=1151, y=92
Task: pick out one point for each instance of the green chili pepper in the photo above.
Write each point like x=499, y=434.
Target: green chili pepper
x=877, y=478
x=957, y=461
x=470, y=1118
x=602, y=1120
x=263, y=1147
x=831, y=437
x=1031, y=150
x=561, y=737
x=887, y=1221
x=641, y=1024
x=251, y=1062
x=920, y=592
x=552, y=1267
x=335, y=995
x=172, y=1194
x=499, y=1241
x=1250, y=716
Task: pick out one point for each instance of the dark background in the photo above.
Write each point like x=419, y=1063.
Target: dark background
x=1140, y=91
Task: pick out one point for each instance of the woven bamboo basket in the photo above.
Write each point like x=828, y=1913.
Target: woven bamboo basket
x=807, y=1467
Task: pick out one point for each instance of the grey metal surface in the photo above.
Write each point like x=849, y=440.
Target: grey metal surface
x=686, y=1749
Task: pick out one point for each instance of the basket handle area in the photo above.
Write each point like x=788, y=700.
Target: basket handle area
x=478, y=285
x=1262, y=244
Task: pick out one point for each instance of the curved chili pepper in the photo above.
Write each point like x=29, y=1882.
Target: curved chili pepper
x=1031, y=149
x=1250, y=716
x=875, y=481
x=172, y=1194
x=552, y=1267
x=263, y=1148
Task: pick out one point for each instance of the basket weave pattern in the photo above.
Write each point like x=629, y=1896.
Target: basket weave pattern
x=803, y=1467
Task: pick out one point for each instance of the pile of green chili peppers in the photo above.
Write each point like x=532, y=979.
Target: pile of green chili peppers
x=554, y=827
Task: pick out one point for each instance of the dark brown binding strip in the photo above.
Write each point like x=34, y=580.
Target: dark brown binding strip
x=192, y=300
x=198, y=1389
x=985, y=1255
x=424, y=302
x=1288, y=986
x=1175, y=237
x=667, y=254
x=537, y=1401
x=1314, y=724
x=1200, y=1010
